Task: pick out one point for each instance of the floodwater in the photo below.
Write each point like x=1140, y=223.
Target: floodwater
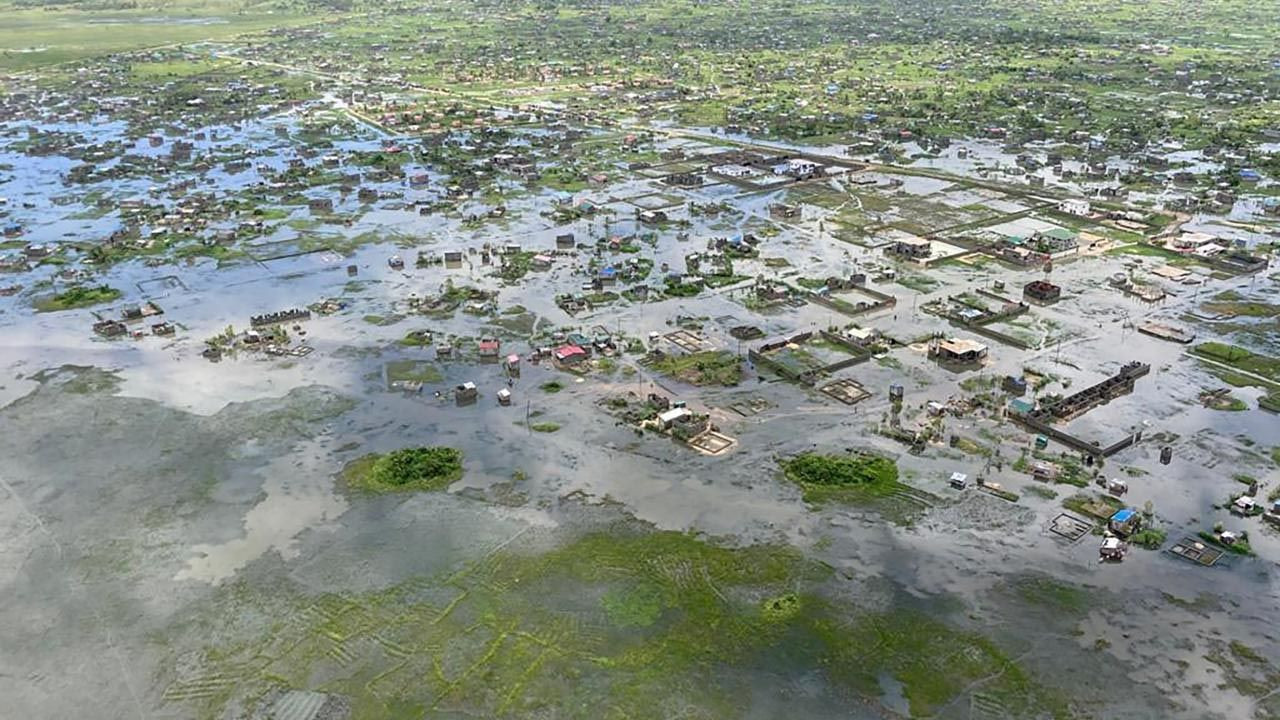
x=161, y=503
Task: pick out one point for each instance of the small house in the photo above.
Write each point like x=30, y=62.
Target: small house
x=1074, y=206
x=915, y=248
x=465, y=393
x=1125, y=522
x=1042, y=291
x=504, y=397
x=959, y=351
x=1245, y=505
x=571, y=355
x=489, y=348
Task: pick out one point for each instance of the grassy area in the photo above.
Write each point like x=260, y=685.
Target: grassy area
x=1147, y=250
x=1100, y=507
x=420, y=468
x=1047, y=592
x=79, y=296
x=1041, y=491
x=545, y=427
x=863, y=479
x=1239, y=547
x=413, y=371
x=1240, y=359
x=1150, y=538
x=551, y=386
x=383, y=320
x=678, y=625
x=711, y=367
x=416, y=338
x=1233, y=303
x=31, y=38
x=1270, y=401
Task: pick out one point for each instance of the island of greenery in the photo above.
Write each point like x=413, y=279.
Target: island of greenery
x=822, y=476
x=861, y=478
x=78, y=297
x=420, y=468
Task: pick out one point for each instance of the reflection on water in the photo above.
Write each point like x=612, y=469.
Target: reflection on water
x=298, y=494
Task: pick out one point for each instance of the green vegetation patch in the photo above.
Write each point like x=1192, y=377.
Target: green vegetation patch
x=1149, y=538
x=416, y=338
x=1045, y=591
x=637, y=606
x=711, y=367
x=861, y=479
x=420, y=468
x=413, y=371
x=79, y=296
x=1239, y=547
x=867, y=472
x=1240, y=359
x=628, y=622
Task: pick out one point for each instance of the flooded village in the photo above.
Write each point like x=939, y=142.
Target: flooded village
x=552, y=378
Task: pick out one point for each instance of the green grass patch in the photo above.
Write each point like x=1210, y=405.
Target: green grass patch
x=1047, y=493
x=80, y=296
x=1047, y=592
x=545, y=427
x=1240, y=359
x=1149, y=538
x=683, y=620
x=711, y=367
x=551, y=386
x=416, y=338
x=420, y=468
x=1239, y=547
x=413, y=371
x=636, y=606
x=861, y=479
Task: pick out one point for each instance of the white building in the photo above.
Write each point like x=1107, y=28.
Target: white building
x=1074, y=206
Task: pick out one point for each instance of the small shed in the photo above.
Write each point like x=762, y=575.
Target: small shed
x=675, y=415
x=465, y=393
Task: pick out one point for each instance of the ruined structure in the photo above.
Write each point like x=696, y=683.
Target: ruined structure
x=1061, y=409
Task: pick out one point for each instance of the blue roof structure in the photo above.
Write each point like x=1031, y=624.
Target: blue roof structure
x=1122, y=515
